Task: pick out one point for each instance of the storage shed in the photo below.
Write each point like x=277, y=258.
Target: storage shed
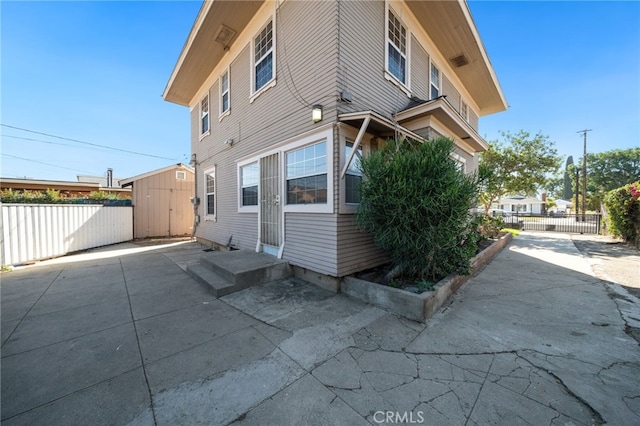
x=162, y=202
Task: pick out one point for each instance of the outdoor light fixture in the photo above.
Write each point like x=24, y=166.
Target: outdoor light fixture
x=316, y=113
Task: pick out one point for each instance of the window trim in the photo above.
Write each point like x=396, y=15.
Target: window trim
x=358, y=173
x=349, y=134
x=327, y=172
x=406, y=86
x=224, y=113
x=464, y=110
x=240, y=165
x=254, y=93
x=201, y=116
x=208, y=172
x=460, y=160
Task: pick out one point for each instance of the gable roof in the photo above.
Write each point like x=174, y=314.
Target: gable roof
x=179, y=166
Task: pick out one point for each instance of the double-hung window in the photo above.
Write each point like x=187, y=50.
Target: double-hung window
x=464, y=110
x=263, y=60
x=204, y=115
x=397, y=48
x=210, y=191
x=353, y=177
x=435, y=82
x=249, y=185
x=224, y=93
x=306, y=170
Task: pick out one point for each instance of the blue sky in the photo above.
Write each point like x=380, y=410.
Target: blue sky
x=95, y=72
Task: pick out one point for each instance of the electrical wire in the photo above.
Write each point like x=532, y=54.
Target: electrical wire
x=43, y=163
x=87, y=143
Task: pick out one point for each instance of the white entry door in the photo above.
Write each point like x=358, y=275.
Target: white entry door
x=270, y=205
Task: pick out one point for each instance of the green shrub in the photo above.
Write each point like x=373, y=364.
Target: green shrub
x=416, y=202
x=623, y=207
x=489, y=226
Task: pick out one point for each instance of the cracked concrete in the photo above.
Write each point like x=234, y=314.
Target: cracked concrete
x=536, y=338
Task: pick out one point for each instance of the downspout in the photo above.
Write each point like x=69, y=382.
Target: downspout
x=195, y=195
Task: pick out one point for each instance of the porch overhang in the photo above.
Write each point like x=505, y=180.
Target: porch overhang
x=440, y=109
x=217, y=19
x=450, y=25
x=377, y=125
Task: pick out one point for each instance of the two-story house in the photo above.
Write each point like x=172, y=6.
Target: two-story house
x=285, y=96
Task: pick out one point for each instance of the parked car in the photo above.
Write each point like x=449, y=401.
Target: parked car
x=499, y=212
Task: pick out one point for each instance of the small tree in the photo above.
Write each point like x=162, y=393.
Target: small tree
x=416, y=203
x=519, y=167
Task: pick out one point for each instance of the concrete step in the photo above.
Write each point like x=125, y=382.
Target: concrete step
x=216, y=283
x=246, y=268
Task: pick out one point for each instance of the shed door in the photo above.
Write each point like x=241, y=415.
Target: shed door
x=270, y=207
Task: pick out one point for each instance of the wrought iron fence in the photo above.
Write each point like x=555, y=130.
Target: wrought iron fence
x=571, y=223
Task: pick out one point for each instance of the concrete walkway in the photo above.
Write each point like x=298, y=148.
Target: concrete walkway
x=123, y=336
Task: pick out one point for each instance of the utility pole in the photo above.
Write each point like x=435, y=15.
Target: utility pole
x=584, y=173
x=577, y=194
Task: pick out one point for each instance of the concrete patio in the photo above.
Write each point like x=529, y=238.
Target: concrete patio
x=122, y=335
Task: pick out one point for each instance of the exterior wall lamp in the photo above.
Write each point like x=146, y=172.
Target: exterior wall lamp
x=316, y=113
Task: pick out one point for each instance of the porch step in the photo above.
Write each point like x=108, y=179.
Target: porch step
x=230, y=271
x=218, y=285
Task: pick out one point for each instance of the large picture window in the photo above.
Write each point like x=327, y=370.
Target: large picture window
x=210, y=188
x=263, y=57
x=353, y=177
x=306, y=170
x=397, y=49
x=249, y=185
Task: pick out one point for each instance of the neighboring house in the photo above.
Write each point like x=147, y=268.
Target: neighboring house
x=519, y=204
x=67, y=189
x=286, y=96
x=162, y=202
x=108, y=181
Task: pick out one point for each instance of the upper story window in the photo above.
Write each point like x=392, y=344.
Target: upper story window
x=307, y=174
x=464, y=110
x=435, y=82
x=263, y=52
x=397, y=48
x=204, y=115
x=224, y=93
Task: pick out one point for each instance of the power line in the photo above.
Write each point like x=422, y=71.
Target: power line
x=43, y=163
x=87, y=143
x=43, y=141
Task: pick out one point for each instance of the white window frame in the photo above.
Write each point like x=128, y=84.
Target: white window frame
x=224, y=112
x=327, y=172
x=464, y=110
x=404, y=86
x=462, y=162
x=433, y=66
x=202, y=116
x=181, y=175
x=210, y=172
x=349, y=135
x=241, y=165
x=255, y=92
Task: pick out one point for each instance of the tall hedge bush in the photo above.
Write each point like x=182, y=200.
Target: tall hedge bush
x=416, y=203
x=623, y=207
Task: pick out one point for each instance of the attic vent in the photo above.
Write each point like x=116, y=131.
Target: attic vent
x=181, y=175
x=459, y=61
x=224, y=36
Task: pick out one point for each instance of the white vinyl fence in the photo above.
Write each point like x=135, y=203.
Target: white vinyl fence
x=33, y=232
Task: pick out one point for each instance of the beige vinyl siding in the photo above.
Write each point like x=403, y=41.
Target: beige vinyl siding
x=311, y=241
x=419, y=70
x=162, y=205
x=473, y=119
x=362, y=47
x=306, y=61
x=356, y=250
x=449, y=90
